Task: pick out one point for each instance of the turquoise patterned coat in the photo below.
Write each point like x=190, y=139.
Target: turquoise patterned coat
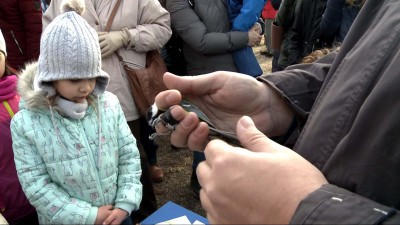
x=67, y=175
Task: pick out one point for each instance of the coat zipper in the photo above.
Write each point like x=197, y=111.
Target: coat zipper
x=16, y=42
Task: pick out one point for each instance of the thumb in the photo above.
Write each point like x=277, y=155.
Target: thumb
x=173, y=81
x=251, y=138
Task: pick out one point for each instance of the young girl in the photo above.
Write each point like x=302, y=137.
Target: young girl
x=75, y=155
x=13, y=203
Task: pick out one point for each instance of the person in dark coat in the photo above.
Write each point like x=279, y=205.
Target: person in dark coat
x=344, y=167
x=306, y=35
x=283, y=19
x=338, y=18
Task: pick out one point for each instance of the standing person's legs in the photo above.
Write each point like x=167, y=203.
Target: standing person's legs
x=198, y=157
x=275, y=62
x=268, y=25
x=149, y=202
x=266, y=49
x=150, y=147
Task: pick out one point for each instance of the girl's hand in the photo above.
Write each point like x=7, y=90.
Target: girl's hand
x=116, y=217
x=103, y=213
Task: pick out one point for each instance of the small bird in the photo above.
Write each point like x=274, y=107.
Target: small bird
x=155, y=115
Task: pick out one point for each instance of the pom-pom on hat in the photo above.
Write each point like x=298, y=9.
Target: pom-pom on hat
x=69, y=49
x=3, y=44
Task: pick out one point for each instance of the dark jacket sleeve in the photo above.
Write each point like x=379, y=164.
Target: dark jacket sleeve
x=332, y=17
x=187, y=24
x=249, y=14
x=306, y=32
x=333, y=204
x=299, y=29
x=285, y=15
x=325, y=204
x=295, y=48
x=300, y=84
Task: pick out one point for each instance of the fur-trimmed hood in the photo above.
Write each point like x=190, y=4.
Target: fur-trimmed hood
x=31, y=99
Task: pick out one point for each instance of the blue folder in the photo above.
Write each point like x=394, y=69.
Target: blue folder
x=171, y=211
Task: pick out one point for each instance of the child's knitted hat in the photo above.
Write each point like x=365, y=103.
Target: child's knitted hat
x=3, y=44
x=69, y=49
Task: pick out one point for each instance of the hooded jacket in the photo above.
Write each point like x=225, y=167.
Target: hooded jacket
x=64, y=171
x=351, y=102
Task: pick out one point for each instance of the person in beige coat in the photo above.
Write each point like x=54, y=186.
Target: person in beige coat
x=138, y=27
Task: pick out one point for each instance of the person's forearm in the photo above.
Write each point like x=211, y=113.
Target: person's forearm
x=280, y=111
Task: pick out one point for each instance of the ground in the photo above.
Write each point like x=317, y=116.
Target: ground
x=177, y=164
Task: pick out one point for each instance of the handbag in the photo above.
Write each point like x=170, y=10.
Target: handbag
x=145, y=83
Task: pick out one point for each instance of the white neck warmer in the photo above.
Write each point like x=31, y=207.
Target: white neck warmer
x=72, y=109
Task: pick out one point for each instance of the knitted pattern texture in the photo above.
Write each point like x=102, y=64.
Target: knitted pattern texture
x=69, y=49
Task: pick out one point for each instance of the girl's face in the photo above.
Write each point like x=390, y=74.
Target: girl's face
x=75, y=90
x=2, y=64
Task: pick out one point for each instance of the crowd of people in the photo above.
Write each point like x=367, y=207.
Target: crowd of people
x=318, y=135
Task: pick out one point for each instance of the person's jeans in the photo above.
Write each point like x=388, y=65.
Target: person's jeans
x=148, y=205
x=198, y=157
x=150, y=147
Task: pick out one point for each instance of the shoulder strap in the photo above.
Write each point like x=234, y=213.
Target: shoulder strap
x=110, y=20
x=8, y=107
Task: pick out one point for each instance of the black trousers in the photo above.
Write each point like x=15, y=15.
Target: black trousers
x=149, y=202
x=28, y=219
x=150, y=147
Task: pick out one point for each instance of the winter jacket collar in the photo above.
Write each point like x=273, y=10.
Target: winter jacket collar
x=8, y=86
